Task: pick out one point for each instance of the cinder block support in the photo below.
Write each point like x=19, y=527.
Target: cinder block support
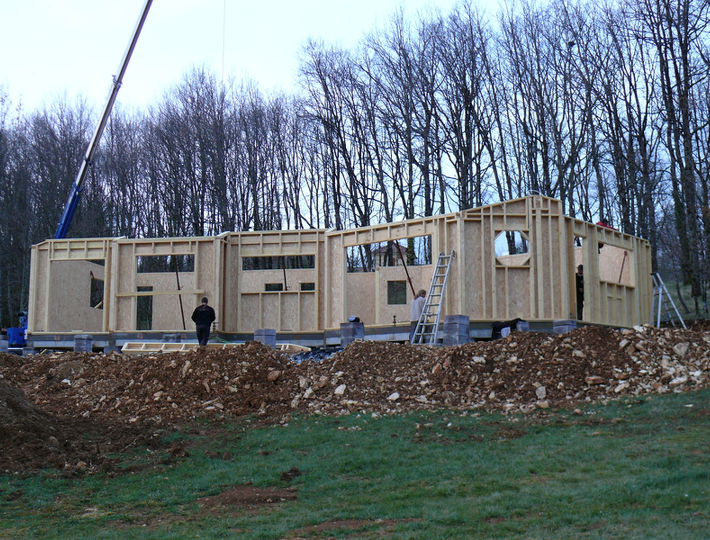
x=350, y=331
x=83, y=343
x=563, y=326
x=456, y=330
x=4, y=345
x=267, y=336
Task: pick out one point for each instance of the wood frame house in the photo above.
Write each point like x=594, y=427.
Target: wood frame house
x=304, y=285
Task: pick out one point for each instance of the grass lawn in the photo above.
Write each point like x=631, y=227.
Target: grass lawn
x=633, y=469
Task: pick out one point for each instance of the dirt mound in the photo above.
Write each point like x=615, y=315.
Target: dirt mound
x=521, y=373
x=23, y=424
x=29, y=437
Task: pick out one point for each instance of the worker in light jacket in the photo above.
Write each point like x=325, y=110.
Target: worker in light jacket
x=203, y=317
x=415, y=311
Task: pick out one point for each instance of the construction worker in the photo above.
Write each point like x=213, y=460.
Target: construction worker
x=203, y=317
x=579, y=287
x=415, y=311
x=603, y=222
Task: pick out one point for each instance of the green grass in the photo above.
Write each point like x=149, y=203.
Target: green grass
x=635, y=469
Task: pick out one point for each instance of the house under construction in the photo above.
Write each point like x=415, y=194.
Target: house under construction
x=513, y=259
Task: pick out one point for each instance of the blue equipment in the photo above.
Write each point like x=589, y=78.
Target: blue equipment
x=17, y=336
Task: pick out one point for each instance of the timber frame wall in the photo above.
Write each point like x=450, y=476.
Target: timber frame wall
x=535, y=286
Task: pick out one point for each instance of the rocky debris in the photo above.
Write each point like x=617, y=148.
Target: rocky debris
x=523, y=372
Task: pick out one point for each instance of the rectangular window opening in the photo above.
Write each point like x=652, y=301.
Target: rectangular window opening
x=144, y=315
x=273, y=287
x=287, y=262
x=149, y=264
x=415, y=251
x=396, y=292
x=308, y=286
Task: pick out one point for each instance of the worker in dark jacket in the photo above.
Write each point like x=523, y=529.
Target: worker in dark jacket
x=579, y=286
x=203, y=317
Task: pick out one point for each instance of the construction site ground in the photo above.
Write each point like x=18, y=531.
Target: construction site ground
x=77, y=411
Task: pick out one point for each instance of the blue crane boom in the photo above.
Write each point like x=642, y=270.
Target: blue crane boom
x=77, y=186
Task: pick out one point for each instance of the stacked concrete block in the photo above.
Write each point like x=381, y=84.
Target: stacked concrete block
x=350, y=331
x=562, y=326
x=456, y=330
x=267, y=336
x=83, y=343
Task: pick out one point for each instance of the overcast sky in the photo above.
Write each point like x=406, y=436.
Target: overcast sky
x=51, y=48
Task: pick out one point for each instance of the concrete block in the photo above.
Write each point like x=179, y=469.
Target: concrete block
x=523, y=326
x=350, y=331
x=455, y=331
x=562, y=329
x=29, y=351
x=267, y=336
x=4, y=345
x=562, y=326
x=83, y=343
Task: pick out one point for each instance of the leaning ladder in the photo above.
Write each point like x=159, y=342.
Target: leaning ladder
x=663, y=301
x=428, y=324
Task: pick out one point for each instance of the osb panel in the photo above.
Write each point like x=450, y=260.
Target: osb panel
x=284, y=312
x=472, y=264
x=255, y=280
x=276, y=242
x=233, y=274
x=309, y=313
x=519, y=259
x=615, y=265
x=166, y=308
x=38, y=311
x=251, y=304
x=513, y=293
x=166, y=312
x=70, y=295
x=400, y=311
x=361, y=298
x=270, y=310
x=205, y=264
x=334, y=281
x=124, y=314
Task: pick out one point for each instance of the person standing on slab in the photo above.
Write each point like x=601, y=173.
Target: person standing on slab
x=415, y=311
x=203, y=317
x=579, y=286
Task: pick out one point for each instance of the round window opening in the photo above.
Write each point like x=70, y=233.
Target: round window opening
x=512, y=248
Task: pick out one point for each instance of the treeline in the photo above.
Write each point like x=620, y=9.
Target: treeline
x=604, y=105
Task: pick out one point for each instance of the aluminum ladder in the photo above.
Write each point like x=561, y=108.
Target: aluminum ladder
x=662, y=301
x=428, y=324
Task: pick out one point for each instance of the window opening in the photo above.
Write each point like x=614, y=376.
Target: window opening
x=308, y=286
x=512, y=248
x=396, y=292
x=273, y=287
x=289, y=262
x=367, y=257
x=144, y=315
x=149, y=264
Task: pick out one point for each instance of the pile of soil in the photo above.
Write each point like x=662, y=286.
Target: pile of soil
x=118, y=396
